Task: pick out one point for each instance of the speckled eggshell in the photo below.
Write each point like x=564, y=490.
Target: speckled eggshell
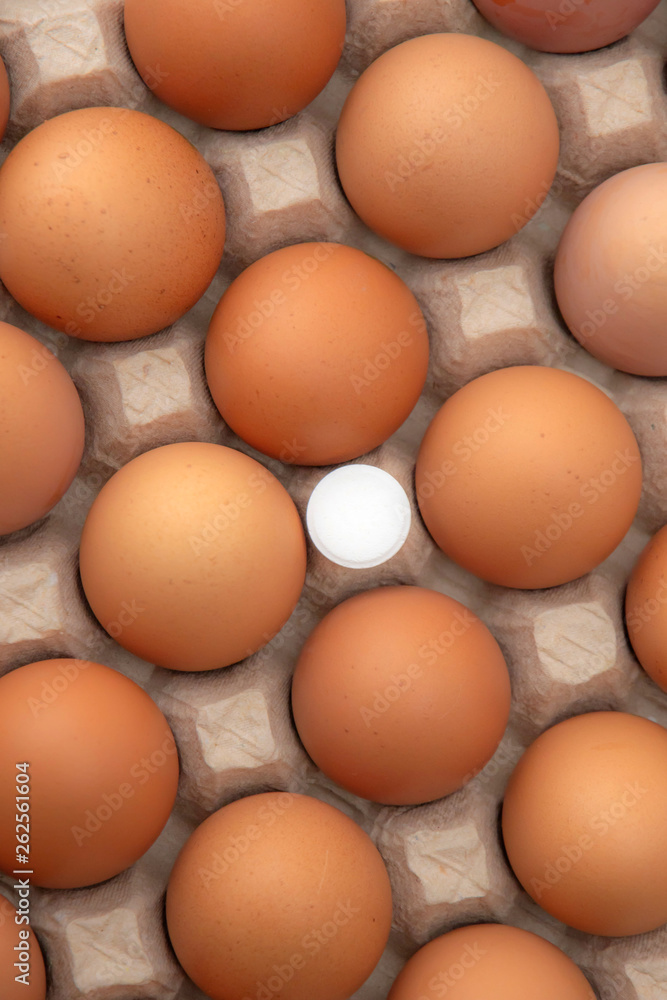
x=444, y=143
x=235, y=64
x=529, y=477
x=41, y=429
x=193, y=556
x=611, y=271
x=583, y=823
x=316, y=354
x=102, y=765
x=282, y=893
x=114, y=224
x=401, y=695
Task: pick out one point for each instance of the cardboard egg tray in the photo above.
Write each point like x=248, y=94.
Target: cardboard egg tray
x=566, y=647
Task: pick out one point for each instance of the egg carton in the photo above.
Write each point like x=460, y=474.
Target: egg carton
x=566, y=647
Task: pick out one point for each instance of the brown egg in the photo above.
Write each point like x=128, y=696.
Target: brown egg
x=611, y=271
x=41, y=429
x=445, y=143
x=114, y=224
x=22, y=972
x=529, y=477
x=568, y=25
x=646, y=609
x=279, y=895
x=4, y=108
x=316, y=354
x=584, y=819
x=193, y=556
x=490, y=962
x=401, y=695
x=99, y=774
x=235, y=64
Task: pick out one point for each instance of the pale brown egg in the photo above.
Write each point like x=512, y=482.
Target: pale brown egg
x=529, y=477
x=401, y=695
x=583, y=823
x=316, y=354
x=611, y=271
x=22, y=972
x=445, y=143
x=235, y=64
x=41, y=429
x=490, y=962
x=95, y=763
x=646, y=609
x=566, y=25
x=279, y=895
x=4, y=99
x=113, y=224
x=193, y=556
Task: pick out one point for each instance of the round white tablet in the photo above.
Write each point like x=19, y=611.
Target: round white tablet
x=358, y=516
